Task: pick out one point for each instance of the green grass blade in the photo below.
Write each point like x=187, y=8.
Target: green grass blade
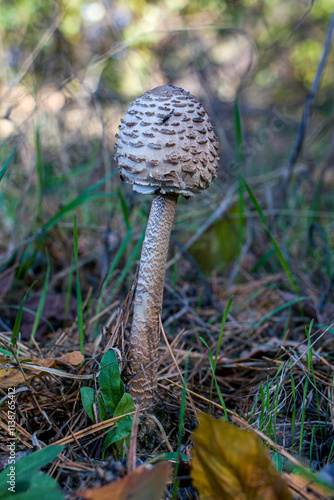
x=238, y=129
x=279, y=309
x=125, y=209
x=131, y=259
x=4, y=168
x=84, y=197
x=32, y=313
x=113, y=265
x=225, y=315
x=303, y=417
x=80, y=200
x=293, y=390
x=79, y=298
x=311, y=445
x=40, y=174
x=181, y=427
x=329, y=459
x=118, y=255
x=221, y=399
x=277, y=248
x=226, y=312
x=17, y=324
x=239, y=137
x=41, y=302
x=241, y=209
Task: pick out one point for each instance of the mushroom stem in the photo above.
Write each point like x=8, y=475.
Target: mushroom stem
x=144, y=337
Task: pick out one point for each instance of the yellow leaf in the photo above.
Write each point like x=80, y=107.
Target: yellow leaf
x=230, y=463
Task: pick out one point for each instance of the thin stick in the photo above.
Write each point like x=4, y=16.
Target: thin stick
x=132, y=455
x=93, y=428
x=297, y=147
x=225, y=204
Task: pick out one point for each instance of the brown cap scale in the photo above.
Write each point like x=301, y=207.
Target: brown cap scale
x=166, y=147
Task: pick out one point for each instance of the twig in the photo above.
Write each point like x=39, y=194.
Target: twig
x=216, y=214
x=93, y=428
x=297, y=147
x=132, y=455
x=162, y=430
x=40, y=45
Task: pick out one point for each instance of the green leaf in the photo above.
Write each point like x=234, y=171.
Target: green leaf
x=116, y=435
x=110, y=439
x=172, y=457
x=27, y=467
x=124, y=425
x=88, y=399
x=7, y=353
x=110, y=380
x=126, y=405
x=104, y=415
x=41, y=486
x=41, y=494
x=278, y=461
x=122, y=389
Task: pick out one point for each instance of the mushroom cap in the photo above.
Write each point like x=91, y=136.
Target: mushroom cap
x=166, y=143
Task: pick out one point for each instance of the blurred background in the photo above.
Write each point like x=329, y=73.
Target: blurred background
x=68, y=70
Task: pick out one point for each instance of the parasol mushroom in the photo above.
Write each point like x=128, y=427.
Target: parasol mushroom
x=166, y=147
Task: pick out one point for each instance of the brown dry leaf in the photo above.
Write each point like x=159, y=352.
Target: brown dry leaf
x=230, y=463
x=11, y=376
x=144, y=483
x=73, y=358
x=303, y=488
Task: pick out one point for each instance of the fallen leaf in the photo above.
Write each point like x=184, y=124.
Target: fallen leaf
x=144, y=483
x=230, y=463
x=73, y=358
x=11, y=375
